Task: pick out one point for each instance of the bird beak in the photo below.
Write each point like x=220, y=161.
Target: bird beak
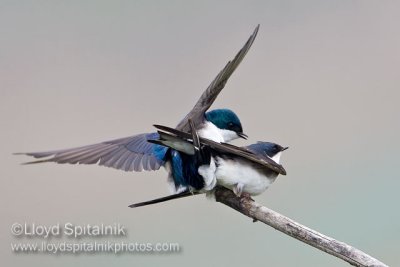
x=242, y=135
x=284, y=148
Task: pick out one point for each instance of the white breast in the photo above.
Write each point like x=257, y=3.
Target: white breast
x=212, y=132
x=232, y=172
x=277, y=157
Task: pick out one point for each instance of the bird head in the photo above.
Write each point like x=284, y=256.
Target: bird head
x=228, y=122
x=272, y=150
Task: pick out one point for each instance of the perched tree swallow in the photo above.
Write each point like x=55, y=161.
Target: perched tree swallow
x=244, y=170
x=244, y=176
x=135, y=153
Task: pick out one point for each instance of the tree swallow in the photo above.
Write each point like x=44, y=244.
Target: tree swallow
x=244, y=176
x=135, y=153
x=245, y=170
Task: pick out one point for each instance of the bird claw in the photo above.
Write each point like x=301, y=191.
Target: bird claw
x=247, y=196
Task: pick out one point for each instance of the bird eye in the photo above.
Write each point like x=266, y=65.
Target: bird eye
x=230, y=124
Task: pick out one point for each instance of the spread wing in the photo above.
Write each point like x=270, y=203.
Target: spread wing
x=135, y=153
x=211, y=93
x=132, y=153
x=227, y=149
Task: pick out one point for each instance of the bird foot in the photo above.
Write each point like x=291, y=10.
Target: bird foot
x=246, y=196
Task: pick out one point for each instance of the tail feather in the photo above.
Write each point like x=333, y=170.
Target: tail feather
x=163, y=199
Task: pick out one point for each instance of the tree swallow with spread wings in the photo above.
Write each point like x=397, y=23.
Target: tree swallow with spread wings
x=247, y=170
x=135, y=153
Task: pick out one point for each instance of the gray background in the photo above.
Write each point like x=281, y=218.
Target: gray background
x=322, y=77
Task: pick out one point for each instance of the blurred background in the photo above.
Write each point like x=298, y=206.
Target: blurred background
x=322, y=78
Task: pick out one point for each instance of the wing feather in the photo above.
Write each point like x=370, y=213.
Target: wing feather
x=129, y=153
x=210, y=94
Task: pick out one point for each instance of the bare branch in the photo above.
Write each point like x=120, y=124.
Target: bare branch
x=287, y=226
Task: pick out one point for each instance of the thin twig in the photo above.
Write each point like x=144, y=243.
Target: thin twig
x=287, y=226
